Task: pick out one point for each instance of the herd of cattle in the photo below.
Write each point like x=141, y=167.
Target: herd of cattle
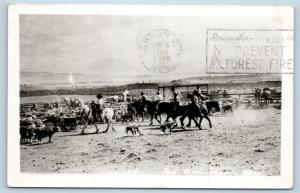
x=38, y=122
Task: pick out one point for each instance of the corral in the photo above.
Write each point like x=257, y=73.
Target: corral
x=245, y=142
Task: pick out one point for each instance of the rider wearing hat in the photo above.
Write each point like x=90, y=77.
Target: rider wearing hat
x=99, y=107
x=199, y=99
x=158, y=97
x=143, y=97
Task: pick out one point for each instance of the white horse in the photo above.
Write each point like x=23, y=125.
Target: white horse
x=107, y=115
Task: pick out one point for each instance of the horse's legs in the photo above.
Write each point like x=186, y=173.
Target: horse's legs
x=167, y=119
x=84, y=127
x=142, y=114
x=199, y=125
x=131, y=118
x=206, y=117
x=195, y=121
x=190, y=122
x=50, y=138
x=108, y=125
x=159, y=115
x=155, y=115
x=97, y=130
x=182, y=121
x=112, y=126
x=151, y=119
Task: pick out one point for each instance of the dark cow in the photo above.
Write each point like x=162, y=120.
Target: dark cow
x=227, y=108
x=26, y=134
x=69, y=123
x=127, y=117
x=47, y=131
x=26, y=130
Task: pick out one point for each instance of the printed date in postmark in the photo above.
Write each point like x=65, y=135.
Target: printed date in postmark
x=160, y=51
x=249, y=51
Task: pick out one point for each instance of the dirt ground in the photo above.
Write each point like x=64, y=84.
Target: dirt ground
x=246, y=142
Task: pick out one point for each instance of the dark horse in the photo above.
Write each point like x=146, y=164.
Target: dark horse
x=152, y=109
x=195, y=111
x=211, y=107
x=192, y=111
x=263, y=95
x=138, y=107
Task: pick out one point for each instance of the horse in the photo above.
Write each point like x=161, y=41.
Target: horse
x=193, y=111
x=86, y=116
x=107, y=115
x=152, y=109
x=263, y=94
x=138, y=107
x=171, y=109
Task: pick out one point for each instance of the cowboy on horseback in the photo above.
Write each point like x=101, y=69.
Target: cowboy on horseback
x=158, y=97
x=176, y=100
x=143, y=97
x=99, y=108
x=199, y=99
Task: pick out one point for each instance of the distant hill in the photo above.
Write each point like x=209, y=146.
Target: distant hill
x=210, y=79
x=92, y=88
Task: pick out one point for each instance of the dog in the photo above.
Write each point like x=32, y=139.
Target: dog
x=134, y=129
x=170, y=126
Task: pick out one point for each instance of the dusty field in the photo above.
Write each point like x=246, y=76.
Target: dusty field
x=246, y=142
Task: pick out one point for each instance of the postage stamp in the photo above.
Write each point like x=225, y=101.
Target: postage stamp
x=150, y=96
x=233, y=51
x=160, y=51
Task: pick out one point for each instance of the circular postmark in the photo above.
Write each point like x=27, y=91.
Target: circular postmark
x=160, y=51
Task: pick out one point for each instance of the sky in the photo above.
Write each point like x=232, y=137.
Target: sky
x=109, y=46
x=104, y=44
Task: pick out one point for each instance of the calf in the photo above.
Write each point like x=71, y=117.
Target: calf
x=127, y=117
x=69, y=123
x=44, y=132
x=26, y=134
x=26, y=130
x=227, y=107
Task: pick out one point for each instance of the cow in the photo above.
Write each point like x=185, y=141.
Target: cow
x=127, y=117
x=26, y=130
x=69, y=123
x=44, y=132
x=26, y=134
x=226, y=108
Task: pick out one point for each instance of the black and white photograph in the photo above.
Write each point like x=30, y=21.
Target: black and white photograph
x=180, y=94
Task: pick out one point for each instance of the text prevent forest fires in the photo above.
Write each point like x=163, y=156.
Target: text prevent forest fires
x=242, y=51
